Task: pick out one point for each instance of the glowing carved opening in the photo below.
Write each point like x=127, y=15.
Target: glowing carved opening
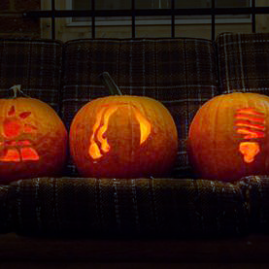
x=249, y=150
x=11, y=155
x=101, y=126
x=29, y=154
x=251, y=124
x=13, y=149
x=145, y=126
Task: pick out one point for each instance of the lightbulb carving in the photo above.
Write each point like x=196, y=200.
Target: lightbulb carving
x=99, y=143
x=251, y=124
x=13, y=148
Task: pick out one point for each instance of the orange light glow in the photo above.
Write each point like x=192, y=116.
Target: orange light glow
x=145, y=126
x=25, y=114
x=10, y=143
x=11, y=155
x=100, y=135
x=14, y=149
x=249, y=150
x=101, y=125
x=11, y=111
x=250, y=111
x=248, y=134
x=23, y=143
x=251, y=124
x=12, y=128
x=17, y=155
x=249, y=118
x=27, y=128
x=29, y=154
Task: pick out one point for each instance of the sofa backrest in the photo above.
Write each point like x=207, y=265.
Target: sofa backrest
x=243, y=62
x=181, y=73
x=34, y=64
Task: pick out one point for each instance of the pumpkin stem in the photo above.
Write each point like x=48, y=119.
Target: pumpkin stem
x=110, y=84
x=17, y=89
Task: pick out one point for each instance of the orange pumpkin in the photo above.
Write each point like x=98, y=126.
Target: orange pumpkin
x=228, y=137
x=33, y=139
x=123, y=137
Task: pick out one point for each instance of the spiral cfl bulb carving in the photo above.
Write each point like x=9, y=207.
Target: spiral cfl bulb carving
x=251, y=124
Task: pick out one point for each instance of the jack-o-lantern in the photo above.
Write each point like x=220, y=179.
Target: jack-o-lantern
x=123, y=136
x=33, y=139
x=229, y=137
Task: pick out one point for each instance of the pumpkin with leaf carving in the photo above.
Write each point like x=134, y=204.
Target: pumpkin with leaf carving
x=33, y=139
x=123, y=136
x=228, y=137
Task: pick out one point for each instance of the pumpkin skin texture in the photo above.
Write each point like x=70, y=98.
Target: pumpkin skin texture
x=123, y=137
x=228, y=137
x=33, y=140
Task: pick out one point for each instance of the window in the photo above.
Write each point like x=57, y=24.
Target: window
x=156, y=4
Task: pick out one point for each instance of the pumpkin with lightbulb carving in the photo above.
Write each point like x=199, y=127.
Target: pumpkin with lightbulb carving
x=228, y=137
x=123, y=136
x=33, y=139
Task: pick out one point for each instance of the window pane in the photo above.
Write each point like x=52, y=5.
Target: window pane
x=112, y=4
x=192, y=3
x=262, y=3
x=153, y=31
x=232, y=27
x=148, y=4
x=207, y=3
x=81, y=4
x=102, y=4
x=232, y=3
x=193, y=30
x=121, y=4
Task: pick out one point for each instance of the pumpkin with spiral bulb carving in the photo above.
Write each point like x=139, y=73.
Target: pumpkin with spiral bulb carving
x=228, y=137
x=123, y=136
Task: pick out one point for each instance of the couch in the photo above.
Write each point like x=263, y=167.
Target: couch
x=182, y=73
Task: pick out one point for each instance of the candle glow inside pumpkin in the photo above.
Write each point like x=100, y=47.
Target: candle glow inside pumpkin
x=251, y=124
x=12, y=149
x=99, y=142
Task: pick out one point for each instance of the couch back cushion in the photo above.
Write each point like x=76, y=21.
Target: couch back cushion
x=34, y=64
x=243, y=62
x=181, y=73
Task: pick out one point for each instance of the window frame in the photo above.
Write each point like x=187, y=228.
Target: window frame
x=157, y=20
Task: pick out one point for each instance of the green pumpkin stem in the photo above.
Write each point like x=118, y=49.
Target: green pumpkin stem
x=110, y=84
x=17, y=89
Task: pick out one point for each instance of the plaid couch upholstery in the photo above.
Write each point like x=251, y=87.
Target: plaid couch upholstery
x=255, y=189
x=34, y=64
x=122, y=207
x=182, y=74
x=5, y=224
x=243, y=62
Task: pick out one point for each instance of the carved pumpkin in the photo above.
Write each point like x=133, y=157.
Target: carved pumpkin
x=228, y=137
x=33, y=139
x=123, y=137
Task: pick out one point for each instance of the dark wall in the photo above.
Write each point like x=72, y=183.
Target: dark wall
x=12, y=23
